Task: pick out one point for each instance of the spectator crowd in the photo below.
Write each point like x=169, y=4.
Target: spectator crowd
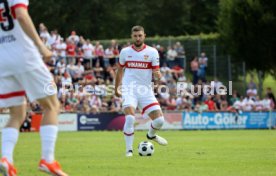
x=80, y=65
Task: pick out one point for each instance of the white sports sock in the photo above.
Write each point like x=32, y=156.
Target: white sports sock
x=129, y=131
x=48, y=134
x=155, y=125
x=9, y=140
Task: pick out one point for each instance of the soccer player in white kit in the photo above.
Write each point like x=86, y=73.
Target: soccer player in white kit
x=23, y=72
x=138, y=63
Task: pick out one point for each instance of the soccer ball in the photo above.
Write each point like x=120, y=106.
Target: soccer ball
x=145, y=148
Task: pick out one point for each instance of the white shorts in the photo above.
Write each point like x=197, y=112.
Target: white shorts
x=36, y=84
x=146, y=104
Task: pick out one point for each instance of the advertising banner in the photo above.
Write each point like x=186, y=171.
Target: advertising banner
x=173, y=121
x=226, y=120
x=101, y=121
x=272, y=121
x=67, y=122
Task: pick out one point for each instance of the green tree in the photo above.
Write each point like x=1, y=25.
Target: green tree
x=105, y=19
x=247, y=28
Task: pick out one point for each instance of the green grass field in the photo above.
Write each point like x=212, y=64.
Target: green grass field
x=189, y=153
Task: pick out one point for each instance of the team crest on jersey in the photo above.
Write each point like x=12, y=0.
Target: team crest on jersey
x=2, y=19
x=146, y=57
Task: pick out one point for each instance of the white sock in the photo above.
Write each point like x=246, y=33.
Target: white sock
x=9, y=140
x=155, y=125
x=129, y=131
x=48, y=134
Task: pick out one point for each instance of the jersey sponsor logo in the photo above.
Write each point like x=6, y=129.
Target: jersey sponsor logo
x=129, y=56
x=138, y=65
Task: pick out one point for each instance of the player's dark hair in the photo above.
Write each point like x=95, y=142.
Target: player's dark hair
x=137, y=28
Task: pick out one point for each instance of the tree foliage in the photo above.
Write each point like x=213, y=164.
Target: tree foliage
x=247, y=28
x=103, y=19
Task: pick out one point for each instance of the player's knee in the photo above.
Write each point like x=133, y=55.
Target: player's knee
x=17, y=115
x=159, y=121
x=129, y=124
x=129, y=111
x=130, y=120
x=50, y=104
x=155, y=114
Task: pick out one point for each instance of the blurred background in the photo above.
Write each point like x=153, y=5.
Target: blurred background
x=199, y=41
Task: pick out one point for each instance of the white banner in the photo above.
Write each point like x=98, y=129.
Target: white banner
x=67, y=122
x=173, y=121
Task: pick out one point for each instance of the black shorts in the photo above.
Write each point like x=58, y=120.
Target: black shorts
x=112, y=61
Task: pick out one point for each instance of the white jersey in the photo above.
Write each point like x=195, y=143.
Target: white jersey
x=61, y=49
x=88, y=50
x=18, y=53
x=238, y=105
x=138, y=64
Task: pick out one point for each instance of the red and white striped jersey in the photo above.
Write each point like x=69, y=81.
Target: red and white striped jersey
x=138, y=64
x=18, y=53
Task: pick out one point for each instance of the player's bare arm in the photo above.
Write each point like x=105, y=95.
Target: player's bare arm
x=157, y=74
x=28, y=27
x=118, y=81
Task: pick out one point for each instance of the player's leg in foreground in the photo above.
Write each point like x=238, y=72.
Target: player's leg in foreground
x=9, y=139
x=156, y=124
x=34, y=83
x=48, y=134
x=129, y=129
